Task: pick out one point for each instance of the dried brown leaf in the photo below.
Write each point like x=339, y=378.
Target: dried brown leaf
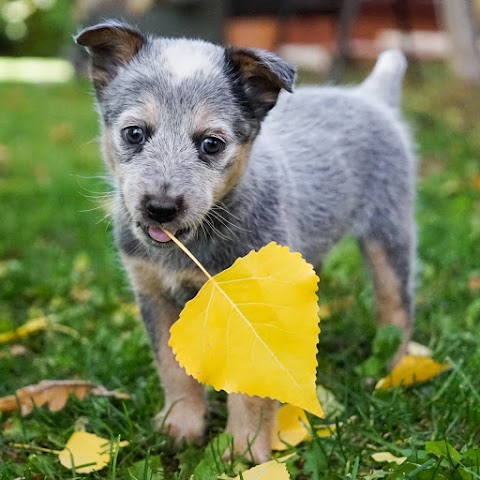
x=54, y=394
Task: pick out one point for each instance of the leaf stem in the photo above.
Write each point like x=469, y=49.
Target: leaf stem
x=187, y=252
x=33, y=447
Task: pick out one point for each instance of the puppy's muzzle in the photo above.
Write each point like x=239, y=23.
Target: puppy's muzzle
x=163, y=209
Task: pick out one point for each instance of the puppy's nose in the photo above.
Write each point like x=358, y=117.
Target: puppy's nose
x=163, y=209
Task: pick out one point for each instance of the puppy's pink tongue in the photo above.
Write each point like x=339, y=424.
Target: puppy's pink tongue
x=159, y=235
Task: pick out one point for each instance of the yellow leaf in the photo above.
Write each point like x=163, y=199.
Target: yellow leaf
x=327, y=430
x=291, y=428
x=25, y=330
x=253, y=329
x=418, y=350
x=86, y=452
x=53, y=393
x=412, y=369
x=387, y=457
x=476, y=182
x=272, y=470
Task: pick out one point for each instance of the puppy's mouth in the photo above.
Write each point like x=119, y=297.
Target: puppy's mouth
x=158, y=235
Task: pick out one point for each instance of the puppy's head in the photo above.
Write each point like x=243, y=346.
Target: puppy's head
x=178, y=117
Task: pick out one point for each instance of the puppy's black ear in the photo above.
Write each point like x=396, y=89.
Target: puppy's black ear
x=262, y=75
x=110, y=44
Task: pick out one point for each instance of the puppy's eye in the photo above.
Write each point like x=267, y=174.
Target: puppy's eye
x=212, y=145
x=134, y=135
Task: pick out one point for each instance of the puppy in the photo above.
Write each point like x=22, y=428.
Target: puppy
x=211, y=143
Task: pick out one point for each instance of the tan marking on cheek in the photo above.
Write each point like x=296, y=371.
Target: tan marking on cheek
x=107, y=148
x=234, y=173
x=388, y=289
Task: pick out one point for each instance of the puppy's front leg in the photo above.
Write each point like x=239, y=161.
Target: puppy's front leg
x=183, y=414
x=251, y=421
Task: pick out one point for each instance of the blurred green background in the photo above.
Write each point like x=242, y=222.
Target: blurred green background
x=35, y=27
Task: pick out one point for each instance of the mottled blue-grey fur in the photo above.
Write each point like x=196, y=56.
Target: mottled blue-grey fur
x=302, y=169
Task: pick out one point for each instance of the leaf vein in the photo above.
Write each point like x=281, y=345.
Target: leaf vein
x=268, y=278
x=256, y=335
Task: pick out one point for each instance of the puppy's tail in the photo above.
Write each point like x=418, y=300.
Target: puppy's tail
x=385, y=81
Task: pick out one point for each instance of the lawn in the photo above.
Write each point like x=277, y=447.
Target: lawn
x=57, y=260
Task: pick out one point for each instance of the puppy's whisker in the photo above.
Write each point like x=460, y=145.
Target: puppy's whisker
x=94, y=209
x=108, y=218
x=217, y=217
x=217, y=207
x=213, y=229
x=223, y=221
x=222, y=206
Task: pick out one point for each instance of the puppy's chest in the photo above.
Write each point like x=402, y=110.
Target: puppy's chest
x=151, y=279
x=181, y=286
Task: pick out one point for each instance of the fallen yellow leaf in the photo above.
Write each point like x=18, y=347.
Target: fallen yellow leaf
x=418, y=350
x=53, y=393
x=253, y=329
x=86, y=452
x=476, y=182
x=412, y=369
x=33, y=326
x=272, y=470
x=387, y=457
x=37, y=325
x=327, y=430
x=292, y=428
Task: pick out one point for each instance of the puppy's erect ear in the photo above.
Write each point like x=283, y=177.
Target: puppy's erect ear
x=262, y=74
x=110, y=44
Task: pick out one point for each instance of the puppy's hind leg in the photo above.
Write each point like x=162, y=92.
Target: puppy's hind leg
x=392, y=265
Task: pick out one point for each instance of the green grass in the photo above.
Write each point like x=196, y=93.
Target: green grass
x=57, y=258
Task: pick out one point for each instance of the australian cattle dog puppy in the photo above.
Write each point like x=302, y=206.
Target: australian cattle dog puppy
x=213, y=144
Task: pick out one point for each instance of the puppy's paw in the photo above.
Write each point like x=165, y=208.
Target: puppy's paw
x=256, y=451
x=254, y=446
x=251, y=422
x=182, y=421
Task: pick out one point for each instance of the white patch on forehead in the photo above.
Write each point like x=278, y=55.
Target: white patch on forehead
x=186, y=59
